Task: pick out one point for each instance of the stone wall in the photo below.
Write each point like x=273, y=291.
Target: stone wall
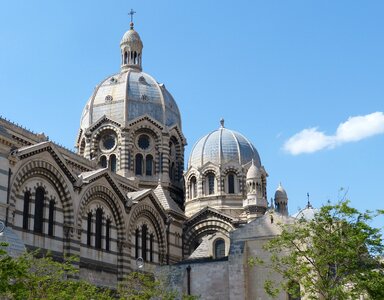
x=208, y=279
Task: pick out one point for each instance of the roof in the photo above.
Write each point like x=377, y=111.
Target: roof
x=308, y=213
x=15, y=246
x=166, y=200
x=223, y=146
x=128, y=95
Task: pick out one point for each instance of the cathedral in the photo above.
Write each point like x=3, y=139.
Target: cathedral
x=125, y=201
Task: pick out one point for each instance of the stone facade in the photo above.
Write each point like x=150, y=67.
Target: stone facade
x=124, y=195
x=231, y=277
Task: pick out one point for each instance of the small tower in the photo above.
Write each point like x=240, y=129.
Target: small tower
x=131, y=49
x=256, y=203
x=281, y=200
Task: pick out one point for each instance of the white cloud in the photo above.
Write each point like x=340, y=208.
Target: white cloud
x=354, y=129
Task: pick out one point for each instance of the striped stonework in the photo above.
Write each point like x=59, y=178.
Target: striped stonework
x=145, y=211
x=105, y=196
x=205, y=225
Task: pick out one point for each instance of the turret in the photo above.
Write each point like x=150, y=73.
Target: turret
x=281, y=200
x=256, y=203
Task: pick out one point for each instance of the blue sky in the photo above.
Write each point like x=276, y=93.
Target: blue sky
x=303, y=80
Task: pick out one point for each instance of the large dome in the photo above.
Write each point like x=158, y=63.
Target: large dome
x=221, y=147
x=128, y=95
x=131, y=93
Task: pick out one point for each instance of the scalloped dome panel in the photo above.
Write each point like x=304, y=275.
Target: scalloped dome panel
x=223, y=146
x=130, y=95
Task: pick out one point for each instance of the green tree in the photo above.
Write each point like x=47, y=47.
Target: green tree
x=144, y=286
x=337, y=255
x=28, y=277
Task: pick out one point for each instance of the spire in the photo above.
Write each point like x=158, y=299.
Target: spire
x=222, y=122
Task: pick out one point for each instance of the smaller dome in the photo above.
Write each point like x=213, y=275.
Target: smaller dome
x=223, y=146
x=132, y=39
x=253, y=171
x=280, y=192
x=308, y=213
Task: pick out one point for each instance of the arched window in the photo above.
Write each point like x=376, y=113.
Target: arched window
x=103, y=161
x=137, y=234
x=192, y=188
x=99, y=227
x=219, y=248
x=89, y=228
x=139, y=164
x=231, y=183
x=51, y=217
x=148, y=165
x=112, y=162
x=144, y=242
x=39, y=210
x=107, y=234
x=211, y=183
x=151, y=247
x=125, y=57
x=27, y=200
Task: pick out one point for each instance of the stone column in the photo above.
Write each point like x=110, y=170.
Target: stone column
x=4, y=184
x=125, y=159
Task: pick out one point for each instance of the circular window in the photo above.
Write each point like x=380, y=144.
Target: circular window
x=143, y=142
x=108, y=142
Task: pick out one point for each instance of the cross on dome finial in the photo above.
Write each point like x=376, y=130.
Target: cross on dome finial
x=131, y=13
x=222, y=122
x=309, y=203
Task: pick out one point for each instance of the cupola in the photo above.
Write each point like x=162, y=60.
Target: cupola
x=131, y=49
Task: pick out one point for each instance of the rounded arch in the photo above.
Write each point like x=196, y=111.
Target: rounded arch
x=153, y=216
x=204, y=228
x=99, y=192
x=96, y=135
x=232, y=169
x=218, y=248
x=44, y=169
x=145, y=128
x=208, y=170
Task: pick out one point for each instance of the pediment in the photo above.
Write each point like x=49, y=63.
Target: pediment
x=145, y=118
x=49, y=147
x=175, y=128
x=138, y=196
x=209, y=212
x=86, y=178
x=103, y=120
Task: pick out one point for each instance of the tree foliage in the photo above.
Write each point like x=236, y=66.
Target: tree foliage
x=337, y=255
x=144, y=286
x=28, y=277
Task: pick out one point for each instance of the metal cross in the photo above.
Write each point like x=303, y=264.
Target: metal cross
x=131, y=13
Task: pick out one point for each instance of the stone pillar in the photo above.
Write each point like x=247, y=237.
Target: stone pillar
x=165, y=160
x=87, y=149
x=125, y=159
x=4, y=184
x=236, y=265
x=123, y=266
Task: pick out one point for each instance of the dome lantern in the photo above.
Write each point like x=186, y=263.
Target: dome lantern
x=131, y=48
